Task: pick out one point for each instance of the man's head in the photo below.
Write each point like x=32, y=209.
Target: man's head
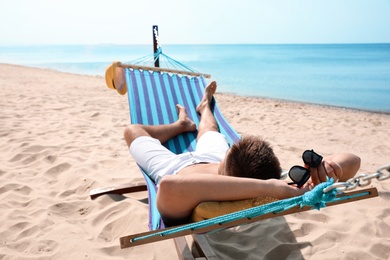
x=252, y=157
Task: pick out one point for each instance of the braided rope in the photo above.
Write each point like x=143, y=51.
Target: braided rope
x=315, y=198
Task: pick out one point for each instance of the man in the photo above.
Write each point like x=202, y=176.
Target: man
x=214, y=172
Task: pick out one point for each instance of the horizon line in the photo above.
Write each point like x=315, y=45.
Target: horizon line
x=146, y=44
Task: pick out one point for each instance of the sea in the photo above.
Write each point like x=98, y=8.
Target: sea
x=355, y=76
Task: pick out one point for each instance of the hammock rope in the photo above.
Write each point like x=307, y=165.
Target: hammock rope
x=165, y=61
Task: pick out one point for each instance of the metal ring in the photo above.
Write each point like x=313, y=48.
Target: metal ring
x=359, y=176
x=384, y=167
x=372, y=176
x=338, y=185
x=353, y=185
x=383, y=176
x=364, y=179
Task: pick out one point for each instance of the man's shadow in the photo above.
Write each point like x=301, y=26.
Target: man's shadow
x=265, y=239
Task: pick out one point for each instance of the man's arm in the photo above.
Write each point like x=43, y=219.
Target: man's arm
x=178, y=195
x=340, y=166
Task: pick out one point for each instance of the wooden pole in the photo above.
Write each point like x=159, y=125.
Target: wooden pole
x=138, y=67
x=155, y=45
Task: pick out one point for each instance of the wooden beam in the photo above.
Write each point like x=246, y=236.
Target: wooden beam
x=139, y=67
x=122, y=189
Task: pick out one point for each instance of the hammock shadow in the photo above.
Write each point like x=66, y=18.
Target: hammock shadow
x=120, y=197
x=268, y=239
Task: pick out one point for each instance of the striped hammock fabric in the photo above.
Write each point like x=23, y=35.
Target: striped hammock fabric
x=152, y=101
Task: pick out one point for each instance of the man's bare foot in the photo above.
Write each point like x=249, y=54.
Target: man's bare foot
x=184, y=120
x=209, y=92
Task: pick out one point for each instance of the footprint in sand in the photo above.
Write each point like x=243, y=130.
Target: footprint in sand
x=45, y=246
x=71, y=210
x=53, y=172
x=17, y=188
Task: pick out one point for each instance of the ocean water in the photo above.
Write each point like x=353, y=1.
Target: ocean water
x=346, y=75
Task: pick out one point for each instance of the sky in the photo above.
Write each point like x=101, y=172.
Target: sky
x=33, y=22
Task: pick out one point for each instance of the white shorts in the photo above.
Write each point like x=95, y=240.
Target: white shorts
x=157, y=161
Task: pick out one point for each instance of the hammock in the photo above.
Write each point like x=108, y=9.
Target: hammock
x=153, y=101
x=152, y=95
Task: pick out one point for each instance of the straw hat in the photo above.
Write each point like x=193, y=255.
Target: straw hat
x=115, y=78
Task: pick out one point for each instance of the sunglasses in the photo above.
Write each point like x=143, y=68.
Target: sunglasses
x=300, y=175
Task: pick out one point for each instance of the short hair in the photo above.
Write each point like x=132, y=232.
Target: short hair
x=252, y=157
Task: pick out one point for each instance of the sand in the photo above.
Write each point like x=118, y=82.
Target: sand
x=61, y=136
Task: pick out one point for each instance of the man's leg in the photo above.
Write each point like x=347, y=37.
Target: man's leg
x=207, y=120
x=161, y=132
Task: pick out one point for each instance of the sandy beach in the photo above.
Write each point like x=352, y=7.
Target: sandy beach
x=61, y=135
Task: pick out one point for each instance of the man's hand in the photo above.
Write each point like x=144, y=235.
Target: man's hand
x=284, y=191
x=328, y=168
